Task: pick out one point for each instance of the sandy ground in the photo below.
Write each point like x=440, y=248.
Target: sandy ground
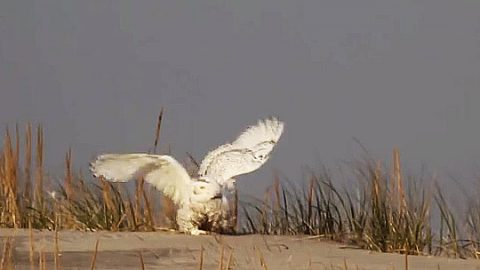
x=168, y=250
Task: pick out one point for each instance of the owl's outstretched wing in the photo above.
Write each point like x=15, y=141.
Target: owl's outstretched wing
x=247, y=153
x=163, y=172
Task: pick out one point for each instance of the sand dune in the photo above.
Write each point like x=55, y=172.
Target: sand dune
x=169, y=250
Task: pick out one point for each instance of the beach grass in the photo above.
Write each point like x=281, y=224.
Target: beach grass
x=384, y=210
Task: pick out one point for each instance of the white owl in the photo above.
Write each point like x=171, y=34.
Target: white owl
x=202, y=201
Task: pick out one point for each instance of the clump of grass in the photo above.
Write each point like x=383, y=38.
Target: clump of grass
x=473, y=221
x=73, y=203
x=448, y=235
x=473, y=228
x=459, y=239
x=17, y=196
x=6, y=261
x=385, y=212
x=286, y=209
x=394, y=217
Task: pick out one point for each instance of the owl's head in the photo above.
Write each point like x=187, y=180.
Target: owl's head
x=204, y=189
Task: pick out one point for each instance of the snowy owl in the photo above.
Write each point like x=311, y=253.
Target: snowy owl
x=201, y=200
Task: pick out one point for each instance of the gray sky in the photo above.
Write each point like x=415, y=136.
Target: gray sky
x=390, y=73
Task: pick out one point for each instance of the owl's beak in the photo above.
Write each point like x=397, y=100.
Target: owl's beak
x=217, y=196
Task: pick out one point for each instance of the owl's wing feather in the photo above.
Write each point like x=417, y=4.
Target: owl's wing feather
x=247, y=153
x=265, y=131
x=161, y=171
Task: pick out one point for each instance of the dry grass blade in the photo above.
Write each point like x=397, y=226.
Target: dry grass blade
x=138, y=198
x=148, y=213
x=68, y=174
x=400, y=191
x=157, y=130
x=38, y=196
x=142, y=264
x=193, y=160
x=169, y=211
x=31, y=256
x=94, y=257
x=220, y=266
x=57, y=251
x=200, y=266
x=41, y=259
x=28, y=167
x=234, y=214
x=230, y=260
x=263, y=264
x=6, y=261
x=406, y=260
x=10, y=164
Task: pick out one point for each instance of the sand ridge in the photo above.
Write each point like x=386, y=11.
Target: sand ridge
x=170, y=250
